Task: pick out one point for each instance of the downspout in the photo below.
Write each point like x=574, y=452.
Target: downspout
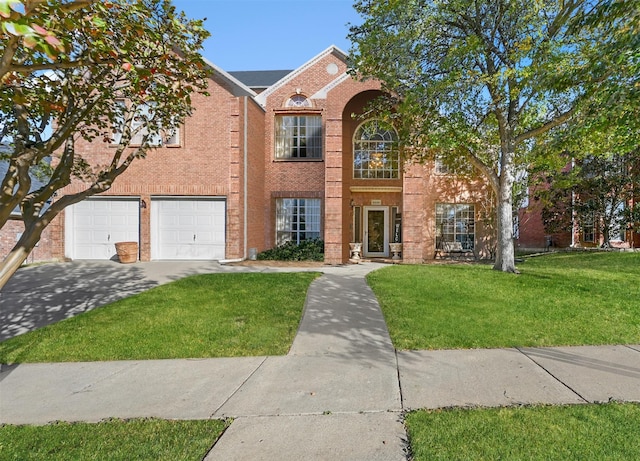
x=246, y=177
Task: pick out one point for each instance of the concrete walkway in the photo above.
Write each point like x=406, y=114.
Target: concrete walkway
x=339, y=394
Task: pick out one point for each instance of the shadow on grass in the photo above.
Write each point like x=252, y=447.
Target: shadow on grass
x=41, y=295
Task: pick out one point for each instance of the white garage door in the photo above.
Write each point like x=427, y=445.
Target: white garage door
x=187, y=228
x=95, y=225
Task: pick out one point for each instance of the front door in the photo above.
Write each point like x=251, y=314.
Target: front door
x=376, y=231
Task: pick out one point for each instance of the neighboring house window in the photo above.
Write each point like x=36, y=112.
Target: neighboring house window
x=455, y=223
x=164, y=137
x=375, y=153
x=298, y=136
x=588, y=230
x=516, y=226
x=297, y=219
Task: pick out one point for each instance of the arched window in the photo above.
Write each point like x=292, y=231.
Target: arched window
x=375, y=152
x=298, y=100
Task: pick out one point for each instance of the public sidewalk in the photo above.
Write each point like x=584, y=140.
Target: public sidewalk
x=339, y=394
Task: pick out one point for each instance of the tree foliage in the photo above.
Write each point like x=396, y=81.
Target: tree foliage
x=66, y=66
x=487, y=81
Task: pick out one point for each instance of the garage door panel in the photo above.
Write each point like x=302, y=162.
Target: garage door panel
x=186, y=221
x=188, y=228
x=97, y=224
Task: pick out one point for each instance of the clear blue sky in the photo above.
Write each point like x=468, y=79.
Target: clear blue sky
x=270, y=34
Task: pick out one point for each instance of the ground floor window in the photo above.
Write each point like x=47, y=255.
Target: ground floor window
x=297, y=219
x=589, y=230
x=455, y=223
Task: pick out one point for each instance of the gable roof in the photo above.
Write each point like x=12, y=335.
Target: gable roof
x=262, y=97
x=259, y=79
x=237, y=87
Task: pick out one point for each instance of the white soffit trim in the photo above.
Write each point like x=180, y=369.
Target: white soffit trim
x=262, y=97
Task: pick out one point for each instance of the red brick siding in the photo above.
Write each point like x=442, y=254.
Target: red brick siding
x=207, y=163
x=255, y=181
x=297, y=176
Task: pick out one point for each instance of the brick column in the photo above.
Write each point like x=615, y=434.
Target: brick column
x=333, y=192
x=413, y=215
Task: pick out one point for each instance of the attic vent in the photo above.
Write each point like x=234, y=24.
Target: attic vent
x=298, y=100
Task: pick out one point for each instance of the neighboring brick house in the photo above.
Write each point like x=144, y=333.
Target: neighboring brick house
x=270, y=157
x=531, y=233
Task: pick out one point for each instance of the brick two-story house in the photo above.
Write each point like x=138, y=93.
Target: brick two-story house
x=270, y=157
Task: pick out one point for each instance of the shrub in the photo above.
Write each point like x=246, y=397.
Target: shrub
x=307, y=250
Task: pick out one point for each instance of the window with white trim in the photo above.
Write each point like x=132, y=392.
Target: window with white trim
x=375, y=153
x=298, y=137
x=455, y=223
x=589, y=229
x=441, y=167
x=298, y=100
x=143, y=113
x=297, y=219
x=453, y=166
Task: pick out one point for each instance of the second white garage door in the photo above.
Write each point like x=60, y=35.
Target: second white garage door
x=187, y=228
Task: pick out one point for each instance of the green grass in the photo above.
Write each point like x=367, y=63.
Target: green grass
x=563, y=299
x=111, y=440
x=580, y=432
x=212, y=315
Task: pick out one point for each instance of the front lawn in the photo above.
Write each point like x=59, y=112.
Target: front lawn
x=111, y=440
x=211, y=315
x=563, y=299
x=564, y=433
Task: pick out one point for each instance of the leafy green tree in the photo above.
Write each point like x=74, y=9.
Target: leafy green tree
x=66, y=68
x=489, y=80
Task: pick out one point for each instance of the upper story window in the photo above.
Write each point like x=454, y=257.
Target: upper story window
x=375, y=153
x=441, y=167
x=138, y=123
x=454, y=166
x=298, y=136
x=298, y=101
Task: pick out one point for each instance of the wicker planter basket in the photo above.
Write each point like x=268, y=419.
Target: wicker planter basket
x=127, y=251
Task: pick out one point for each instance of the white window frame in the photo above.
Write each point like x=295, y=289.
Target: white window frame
x=375, y=153
x=589, y=229
x=171, y=138
x=297, y=219
x=298, y=137
x=457, y=222
x=440, y=167
x=298, y=101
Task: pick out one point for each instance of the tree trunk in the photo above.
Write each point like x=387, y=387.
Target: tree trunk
x=18, y=255
x=505, y=255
